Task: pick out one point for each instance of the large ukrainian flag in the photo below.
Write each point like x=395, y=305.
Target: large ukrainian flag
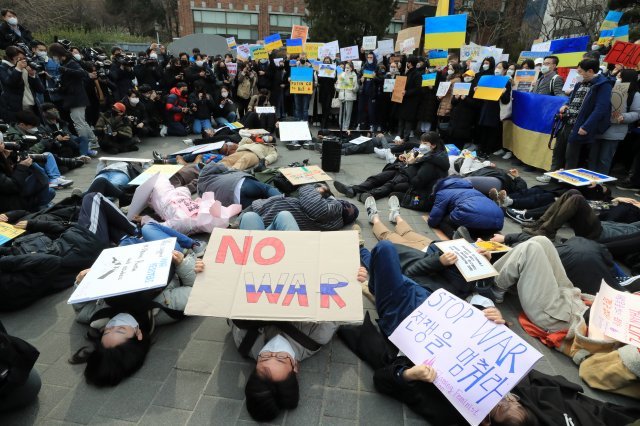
x=445, y=32
x=527, y=133
x=569, y=50
x=445, y=7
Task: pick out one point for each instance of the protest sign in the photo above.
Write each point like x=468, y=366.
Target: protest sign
x=443, y=88
x=490, y=87
x=233, y=68
x=445, y=32
x=398, y=89
x=359, y=140
x=368, y=74
x=349, y=53
x=471, y=264
x=580, y=177
x=128, y=269
x=8, y=232
x=616, y=315
x=532, y=55
x=385, y=47
x=461, y=89
x=408, y=46
x=301, y=80
x=504, y=57
x=167, y=170
x=272, y=42
x=231, y=42
x=266, y=110
x=369, y=42
x=302, y=175
x=357, y=65
x=300, y=31
x=492, y=246
x=611, y=35
x=523, y=80
x=429, y=80
x=327, y=71
x=438, y=58
x=262, y=275
x=313, y=50
x=126, y=159
x=325, y=51
x=259, y=52
x=619, y=95
x=611, y=20
x=294, y=131
x=141, y=197
x=571, y=80
x=541, y=47
x=414, y=32
x=294, y=46
x=469, y=52
x=388, y=85
x=477, y=361
x=243, y=52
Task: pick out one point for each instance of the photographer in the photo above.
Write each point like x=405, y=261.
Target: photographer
x=52, y=124
x=72, y=87
x=136, y=114
x=100, y=91
x=246, y=86
x=173, y=75
x=12, y=33
x=200, y=74
x=176, y=109
x=202, y=105
x=148, y=71
x=122, y=75
x=152, y=104
x=48, y=72
x=115, y=131
x=19, y=84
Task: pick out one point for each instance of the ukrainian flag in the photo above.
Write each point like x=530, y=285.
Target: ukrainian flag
x=273, y=42
x=445, y=32
x=438, y=58
x=611, y=20
x=294, y=46
x=569, y=50
x=527, y=135
x=490, y=87
x=445, y=7
x=614, y=34
x=429, y=80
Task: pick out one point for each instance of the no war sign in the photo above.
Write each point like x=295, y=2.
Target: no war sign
x=286, y=276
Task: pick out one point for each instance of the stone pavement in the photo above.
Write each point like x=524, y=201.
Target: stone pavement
x=194, y=375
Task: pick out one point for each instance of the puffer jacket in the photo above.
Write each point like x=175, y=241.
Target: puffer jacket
x=465, y=206
x=174, y=104
x=267, y=152
x=427, y=170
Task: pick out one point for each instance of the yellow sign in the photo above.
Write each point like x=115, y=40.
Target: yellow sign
x=311, y=49
x=8, y=232
x=260, y=53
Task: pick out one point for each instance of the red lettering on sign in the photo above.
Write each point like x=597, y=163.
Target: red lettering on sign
x=273, y=242
x=240, y=257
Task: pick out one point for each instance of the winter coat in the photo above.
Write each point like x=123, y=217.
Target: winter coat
x=8, y=37
x=347, y=80
x=19, y=357
x=618, y=131
x=444, y=108
x=265, y=152
x=595, y=113
x=465, y=206
x=12, y=85
x=408, y=110
x=369, y=86
x=72, y=84
x=205, y=106
x=174, y=104
x=427, y=170
x=12, y=186
x=220, y=180
x=122, y=78
x=428, y=106
x=463, y=117
x=120, y=124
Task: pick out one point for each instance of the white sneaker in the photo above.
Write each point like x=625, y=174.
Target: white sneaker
x=394, y=208
x=163, y=131
x=543, y=179
x=370, y=206
x=390, y=157
x=380, y=153
x=60, y=183
x=499, y=152
x=507, y=155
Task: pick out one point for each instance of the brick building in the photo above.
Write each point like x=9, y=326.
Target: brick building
x=250, y=20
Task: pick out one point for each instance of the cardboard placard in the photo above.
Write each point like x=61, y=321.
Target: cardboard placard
x=533, y=55
x=627, y=54
x=8, y=232
x=385, y=47
x=259, y=52
x=302, y=175
x=443, y=88
x=580, y=177
x=369, y=42
x=438, y=58
x=619, y=95
x=327, y=71
x=570, y=82
x=300, y=31
x=266, y=110
x=294, y=46
x=414, y=32
x=388, y=85
x=477, y=361
x=615, y=315
x=124, y=270
x=264, y=275
x=472, y=265
x=273, y=42
x=461, y=89
x=301, y=80
x=541, y=47
x=167, y=170
x=360, y=140
x=294, y=131
x=350, y=53
x=398, y=89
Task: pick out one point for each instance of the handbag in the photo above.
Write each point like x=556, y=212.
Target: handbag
x=336, y=102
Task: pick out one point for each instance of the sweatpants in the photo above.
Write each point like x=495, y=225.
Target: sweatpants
x=241, y=160
x=101, y=217
x=383, y=184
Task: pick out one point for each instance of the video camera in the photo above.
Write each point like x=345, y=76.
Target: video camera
x=20, y=149
x=125, y=60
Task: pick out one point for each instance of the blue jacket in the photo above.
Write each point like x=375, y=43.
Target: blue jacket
x=465, y=206
x=595, y=113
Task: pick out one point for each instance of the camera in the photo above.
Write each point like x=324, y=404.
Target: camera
x=124, y=60
x=21, y=149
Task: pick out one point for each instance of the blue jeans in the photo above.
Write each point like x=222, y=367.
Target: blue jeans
x=34, y=187
x=283, y=221
x=200, y=125
x=116, y=177
x=154, y=231
x=82, y=142
x=50, y=167
x=601, y=155
x=396, y=295
x=230, y=118
x=255, y=190
x=301, y=103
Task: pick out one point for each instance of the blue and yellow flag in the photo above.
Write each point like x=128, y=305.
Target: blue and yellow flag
x=527, y=135
x=614, y=34
x=569, y=50
x=445, y=32
x=438, y=58
x=294, y=46
x=490, y=87
x=429, y=80
x=272, y=42
x=611, y=20
x=445, y=7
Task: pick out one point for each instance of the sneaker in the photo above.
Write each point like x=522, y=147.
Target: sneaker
x=163, y=131
x=92, y=153
x=60, y=183
x=381, y=153
x=293, y=146
x=463, y=232
x=76, y=192
x=498, y=294
x=503, y=199
x=627, y=185
x=543, y=179
x=309, y=145
x=157, y=156
x=344, y=189
x=394, y=208
x=499, y=152
x=390, y=157
x=493, y=194
x=356, y=227
x=507, y=156
x=370, y=206
x=519, y=216
x=199, y=247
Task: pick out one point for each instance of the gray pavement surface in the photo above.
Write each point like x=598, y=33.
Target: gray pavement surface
x=194, y=375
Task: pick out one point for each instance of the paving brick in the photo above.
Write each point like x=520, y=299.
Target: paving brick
x=215, y=329
x=165, y=416
x=340, y=353
x=182, y=389
x=340, y=403
x=228, y=380
x=61, y=373
x=178, y=335
x=159, y=364
x=343, y=376
x=376, y=409
x=104, y=421
x=48, y=398
x=130, y=399
x=311, y=383
x=81, y=404
x=200, y=355
x=307, y=413
x=218, y=411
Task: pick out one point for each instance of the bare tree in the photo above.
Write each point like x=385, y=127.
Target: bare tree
x=493, y=21
x=565, y=18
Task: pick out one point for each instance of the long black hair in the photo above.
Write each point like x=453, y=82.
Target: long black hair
x=266, y=398
x=631, y=77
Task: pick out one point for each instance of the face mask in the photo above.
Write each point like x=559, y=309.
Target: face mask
x=510, y=72
x=303, y=61
x=468, y=79
x=77, y=56
x=224, y=94
x=33, y=130
x=12, y=21
x=485, y=66
x=122, y=320
x=595, y=47
x=199, y=63
x=41, y=53
x=369, y=61
x=450, y=72
x=279, y=344
x=52, y=115
x=544, y=69
x=432, y=70
x=498, y=72
x=424, y=148
x=134, y=101
x=153, y=56
x=263, y=61
x=393, y=70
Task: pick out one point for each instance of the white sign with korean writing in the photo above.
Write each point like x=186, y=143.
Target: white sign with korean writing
x=349, y=53
x=572, y=79
x=476, y=360
x=369, y=42
x=471, y=264
x=615, y=315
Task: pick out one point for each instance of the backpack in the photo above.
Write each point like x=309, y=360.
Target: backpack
x=244, y=88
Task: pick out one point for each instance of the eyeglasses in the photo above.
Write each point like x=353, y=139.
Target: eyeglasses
x=281, y=357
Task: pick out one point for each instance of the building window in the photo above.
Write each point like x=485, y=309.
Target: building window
x=394, y=28
x=282, y=24
x=241, y=25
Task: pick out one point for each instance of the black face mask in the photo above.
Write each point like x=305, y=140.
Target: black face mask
x=303, y=61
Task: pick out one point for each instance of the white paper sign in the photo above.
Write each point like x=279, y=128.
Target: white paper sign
x=324, y=52
x=266, y=110
x=385, y=47
x=141, y=197
x=349, y=53
x=327, y=71
x=208, y=147
x=616, y=315
x=471, y=264
x=443, y=88
x=477, y=361
x=294, y=131
x=572, y=79
x=233, y=68
x=408, y=45
x=360, y=140
x=333, y=46
x=357, y=65
x=389, y=83
x=124, y=270
x=369, y=42
x=541, y=47
x=244, y=51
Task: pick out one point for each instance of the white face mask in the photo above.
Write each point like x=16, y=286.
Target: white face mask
x=77, y=56
x=544, y=69
x=224, y=94
x=369, y=61
x=468, y=79
x=424, y=148
x=485, y=66
x=41, y=53
x=134, y=101
x=122, y=320
x=12, y=21
x=432, y=69
x=279, y=344
x=199, y=63
x=595, y=47
x=510, y=72
x=450, y=72
x=153, y=56
x=393, y=70
x=498, y=72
